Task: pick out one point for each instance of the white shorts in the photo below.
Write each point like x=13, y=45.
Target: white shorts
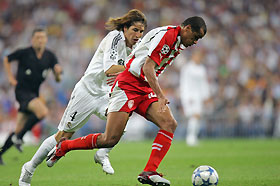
x=192, y=106
x=81, y=106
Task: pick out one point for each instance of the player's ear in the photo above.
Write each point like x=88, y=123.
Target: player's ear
x=187, y=27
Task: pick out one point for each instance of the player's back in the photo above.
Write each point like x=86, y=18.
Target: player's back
x=147, y=45
x=111, y=50
x=193, y=80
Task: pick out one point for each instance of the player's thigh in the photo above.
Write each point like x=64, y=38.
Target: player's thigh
x=79, y=109
x=38, y=107
x=164, y=120
x=21, y=119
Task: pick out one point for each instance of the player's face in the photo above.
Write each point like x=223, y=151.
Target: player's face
x=133, y=33
x=188, y=37
x=39, y=40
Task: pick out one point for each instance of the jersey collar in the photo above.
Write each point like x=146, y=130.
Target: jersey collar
x=178, y=29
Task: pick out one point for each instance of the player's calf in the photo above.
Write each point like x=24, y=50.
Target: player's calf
x=17, y=142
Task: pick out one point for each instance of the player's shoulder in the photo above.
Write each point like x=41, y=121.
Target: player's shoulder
x=24, y=49
x=116, y=34
x=49, y=51
x=163, y=29
x=169, y=32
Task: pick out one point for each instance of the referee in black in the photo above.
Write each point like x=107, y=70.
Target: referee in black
x=34, y=62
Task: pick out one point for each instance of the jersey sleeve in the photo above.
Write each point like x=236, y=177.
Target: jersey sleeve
x=15, y=56
x=111, y=51
x=160, y=46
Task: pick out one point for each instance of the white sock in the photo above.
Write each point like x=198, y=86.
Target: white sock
x=47, y=145
x=104, y=151
x=193, y=128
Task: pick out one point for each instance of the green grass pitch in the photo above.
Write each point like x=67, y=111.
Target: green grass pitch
x=239, y=162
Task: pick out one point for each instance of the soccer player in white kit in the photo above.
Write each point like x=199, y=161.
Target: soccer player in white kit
x=137, y=90
x=194, y=91
x=91, y=93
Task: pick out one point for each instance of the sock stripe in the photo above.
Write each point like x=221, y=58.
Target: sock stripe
x=156, y=148
x=94, y=140
x=160, y=132
x=157, y=144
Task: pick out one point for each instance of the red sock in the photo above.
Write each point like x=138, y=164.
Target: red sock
x=160, y=147
x=85, y=142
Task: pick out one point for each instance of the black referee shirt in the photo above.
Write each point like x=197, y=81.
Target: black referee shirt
x=32, y=71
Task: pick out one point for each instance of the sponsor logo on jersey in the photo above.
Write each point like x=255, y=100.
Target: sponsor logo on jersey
x=165, y=49
x=130, y=104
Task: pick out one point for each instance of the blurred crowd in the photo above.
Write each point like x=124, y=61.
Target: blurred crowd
x=241, y=48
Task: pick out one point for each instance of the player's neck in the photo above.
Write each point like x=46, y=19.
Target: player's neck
x=39, y=52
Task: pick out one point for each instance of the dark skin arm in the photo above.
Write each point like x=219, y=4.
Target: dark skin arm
x=149, y=71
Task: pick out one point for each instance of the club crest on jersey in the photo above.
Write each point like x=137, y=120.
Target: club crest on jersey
x=69, y=124
x=165, y=49
x=130, y=104
x=120, y=62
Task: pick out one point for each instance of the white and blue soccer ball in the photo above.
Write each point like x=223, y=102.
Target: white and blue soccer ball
x=205, y=176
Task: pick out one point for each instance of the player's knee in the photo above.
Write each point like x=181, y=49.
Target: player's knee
x=170, y=125
x=42, y=114
x=173, y=125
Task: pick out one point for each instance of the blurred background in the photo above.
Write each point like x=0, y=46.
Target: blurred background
x=241, y=49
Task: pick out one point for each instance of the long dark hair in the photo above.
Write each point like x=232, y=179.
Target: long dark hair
x=126, y=20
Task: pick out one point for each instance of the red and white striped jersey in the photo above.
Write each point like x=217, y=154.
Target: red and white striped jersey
x=161, y=44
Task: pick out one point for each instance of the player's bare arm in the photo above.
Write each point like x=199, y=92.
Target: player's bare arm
x=11, y=77
x=114, y=69
x=57, y=72
x=113, y=72
x=149, y=71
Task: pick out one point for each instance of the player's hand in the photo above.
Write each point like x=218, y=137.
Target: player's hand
x=162, y=104
x=114, y=74
x=13, y=81
x=58, y=69
x=111, y=80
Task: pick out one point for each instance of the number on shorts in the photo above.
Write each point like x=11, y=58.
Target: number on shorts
x=72, y=116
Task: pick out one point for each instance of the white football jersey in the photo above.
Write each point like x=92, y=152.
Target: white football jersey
x=193, y=82
x=111, y=51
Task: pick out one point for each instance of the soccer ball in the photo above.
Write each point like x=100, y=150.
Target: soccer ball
x=205, y=176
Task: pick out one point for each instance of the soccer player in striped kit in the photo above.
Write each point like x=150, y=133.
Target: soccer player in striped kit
x=137, y=89
x=91, y=93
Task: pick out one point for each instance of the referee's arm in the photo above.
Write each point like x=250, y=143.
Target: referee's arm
x=7, y=67
x=57, y=70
